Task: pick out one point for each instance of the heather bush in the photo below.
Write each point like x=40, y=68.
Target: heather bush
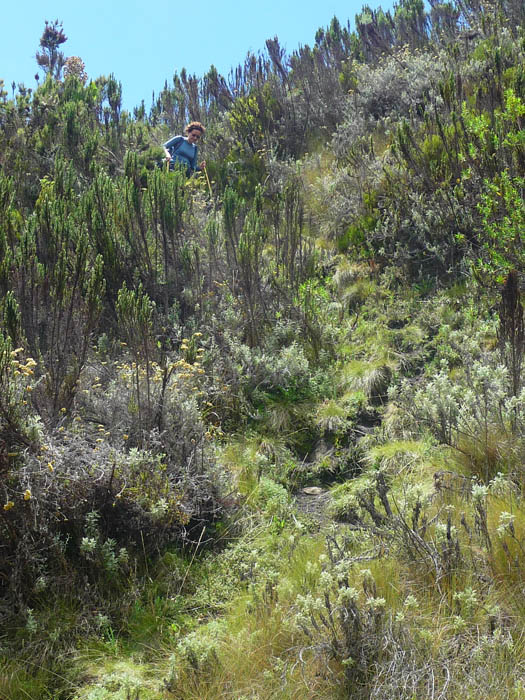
x=81, y=513
x=249, y=385
x=338, y=207
x=465, y=170
x=402, y=85
x=340, y=625
x=472, y=413
x=175, y=391
x=455, y=543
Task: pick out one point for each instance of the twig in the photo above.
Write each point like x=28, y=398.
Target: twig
x=191, y=562
x=208, y=181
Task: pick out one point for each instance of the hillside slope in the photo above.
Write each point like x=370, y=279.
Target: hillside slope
x=335, y=303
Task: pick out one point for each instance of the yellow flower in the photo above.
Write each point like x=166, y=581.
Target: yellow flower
x=27, y=495
x=50, y=467
x=8, y=505
x=125, y=437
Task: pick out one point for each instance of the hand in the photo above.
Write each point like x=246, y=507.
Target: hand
x=203, y=165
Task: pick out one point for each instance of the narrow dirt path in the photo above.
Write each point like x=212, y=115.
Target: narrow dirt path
x=314, y=501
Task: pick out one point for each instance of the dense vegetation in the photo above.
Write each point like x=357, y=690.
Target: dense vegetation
x=336, y=303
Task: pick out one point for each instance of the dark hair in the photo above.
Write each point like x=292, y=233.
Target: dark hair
x=195, y=126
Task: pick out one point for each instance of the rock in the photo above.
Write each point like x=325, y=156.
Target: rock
x=313, y=491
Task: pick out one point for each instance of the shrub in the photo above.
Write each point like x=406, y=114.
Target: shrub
x=84, y=515
x=473, y=414
x=401, y=85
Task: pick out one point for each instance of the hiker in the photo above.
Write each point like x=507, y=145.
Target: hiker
x=183, y=149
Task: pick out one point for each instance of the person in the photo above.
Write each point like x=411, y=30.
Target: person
x=183, y=149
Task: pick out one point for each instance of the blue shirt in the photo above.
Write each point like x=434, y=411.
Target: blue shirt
x=182, y=151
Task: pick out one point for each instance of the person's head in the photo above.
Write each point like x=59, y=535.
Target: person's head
x=194, y=131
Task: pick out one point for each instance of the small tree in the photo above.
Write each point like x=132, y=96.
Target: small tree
x=135, y=316
x=50, y=59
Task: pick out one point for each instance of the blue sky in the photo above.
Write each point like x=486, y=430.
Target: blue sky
x=144, y=43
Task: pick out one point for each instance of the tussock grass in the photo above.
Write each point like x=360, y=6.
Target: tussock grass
x=370, y=376
x=349, y=273
x=491, y=451
x=399, y=456
x=506, y=522
x=254, y=650
x=26, y=680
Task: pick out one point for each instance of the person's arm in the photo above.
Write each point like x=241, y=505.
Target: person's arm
x=172, y=144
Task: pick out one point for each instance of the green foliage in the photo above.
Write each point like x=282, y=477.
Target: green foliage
x=19, y=426
x=61, y=528
x=356, y=234
x=473, y=414
x=503, y=217
x=312, y=312
x=134, y=314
